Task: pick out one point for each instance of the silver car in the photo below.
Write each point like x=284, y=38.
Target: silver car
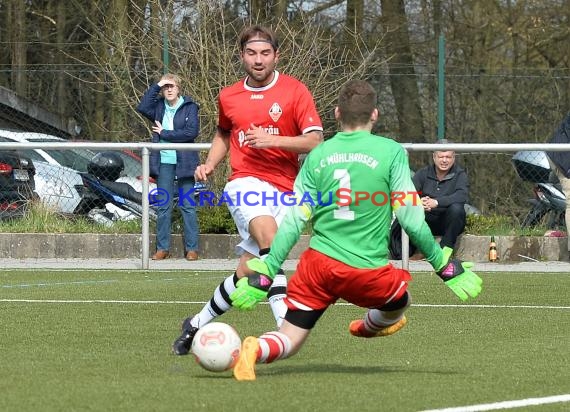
x=58, y=184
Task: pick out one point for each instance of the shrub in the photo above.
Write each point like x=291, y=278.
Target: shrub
x=487, y=225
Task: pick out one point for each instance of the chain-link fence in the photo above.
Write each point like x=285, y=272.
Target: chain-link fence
x=99, y=186
x=505, y=182
x=517, y=182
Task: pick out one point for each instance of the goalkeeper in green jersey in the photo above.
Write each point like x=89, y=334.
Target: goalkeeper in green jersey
x=348, y=187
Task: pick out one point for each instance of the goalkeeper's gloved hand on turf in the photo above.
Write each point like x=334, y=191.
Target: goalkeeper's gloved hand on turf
x=459, y=277
x=252, y=289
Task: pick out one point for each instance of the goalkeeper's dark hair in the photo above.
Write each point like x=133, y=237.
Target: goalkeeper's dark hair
x=356, y=102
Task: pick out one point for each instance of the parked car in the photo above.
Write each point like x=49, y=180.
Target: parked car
x=76, y=158
x=16, y=184
x=60, y=188
x=57, y=181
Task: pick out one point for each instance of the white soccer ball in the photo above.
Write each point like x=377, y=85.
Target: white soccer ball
x=216, y=346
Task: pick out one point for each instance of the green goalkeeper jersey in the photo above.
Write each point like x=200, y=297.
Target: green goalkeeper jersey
x=348, y=187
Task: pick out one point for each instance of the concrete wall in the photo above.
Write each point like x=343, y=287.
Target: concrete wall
x=65, y=246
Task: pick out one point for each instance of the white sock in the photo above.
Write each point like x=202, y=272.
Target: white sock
x=218, y=305
x=375, y=319
x=276, y=297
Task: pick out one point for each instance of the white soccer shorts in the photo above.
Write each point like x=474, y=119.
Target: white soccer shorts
x=250, y=198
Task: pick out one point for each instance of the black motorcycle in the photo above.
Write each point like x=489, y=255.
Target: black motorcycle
x=549, y=202
x=105, y=200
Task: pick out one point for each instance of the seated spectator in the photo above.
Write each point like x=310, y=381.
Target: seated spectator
x=443, y=189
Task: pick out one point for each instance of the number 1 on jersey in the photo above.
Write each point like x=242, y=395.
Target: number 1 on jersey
x=343, y=212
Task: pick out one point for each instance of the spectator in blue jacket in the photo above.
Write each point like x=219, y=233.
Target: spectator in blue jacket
x=174, y=120
x=444, y=191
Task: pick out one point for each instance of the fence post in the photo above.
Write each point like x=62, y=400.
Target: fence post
x=145, y=241
x=405, y=240
x=441, y=88
x=405, y=250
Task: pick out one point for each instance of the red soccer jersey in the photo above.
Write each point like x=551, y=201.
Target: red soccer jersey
x=285, y=107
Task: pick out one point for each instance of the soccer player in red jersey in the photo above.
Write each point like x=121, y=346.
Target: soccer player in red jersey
x=265, y=121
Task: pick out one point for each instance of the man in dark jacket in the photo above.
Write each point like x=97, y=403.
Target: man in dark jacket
x=560, y=164
x=443, y=189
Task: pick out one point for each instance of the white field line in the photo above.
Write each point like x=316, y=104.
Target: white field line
x=184, y=302
x=91, y=282
x=41, y=284
x=427, y=305
x=506, y=404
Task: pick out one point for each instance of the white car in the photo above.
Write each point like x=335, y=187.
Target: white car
x=58, y=187
x=76, y=159
x=58, y=184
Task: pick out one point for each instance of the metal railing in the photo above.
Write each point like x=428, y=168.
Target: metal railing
x=146, y=147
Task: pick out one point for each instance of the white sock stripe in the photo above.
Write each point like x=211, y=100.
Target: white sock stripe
x=221, y=302
x=281, y=340
x=376, y=319
x=207, y=313
x=370, y=323
x=272, y=336
x=279, y=280
x=264, y=349
x=229, y=286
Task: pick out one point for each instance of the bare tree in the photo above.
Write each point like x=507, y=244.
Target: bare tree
x=203, y=50
x=402, y=73
x=17, y=20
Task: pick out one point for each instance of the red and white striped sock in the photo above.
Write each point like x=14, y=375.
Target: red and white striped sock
x=273, y=346
x=376, y=319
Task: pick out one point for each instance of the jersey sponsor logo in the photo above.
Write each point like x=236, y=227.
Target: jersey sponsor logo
x=256, y=97
x=272, y=130
x=275, y=112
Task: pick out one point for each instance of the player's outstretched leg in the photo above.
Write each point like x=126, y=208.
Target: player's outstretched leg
x=219, y=304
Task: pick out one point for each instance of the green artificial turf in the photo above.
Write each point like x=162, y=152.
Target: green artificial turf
x=100, y=341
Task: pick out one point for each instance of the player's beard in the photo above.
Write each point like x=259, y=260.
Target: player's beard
x=260, y=78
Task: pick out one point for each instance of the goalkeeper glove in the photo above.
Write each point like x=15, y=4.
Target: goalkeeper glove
x=459, y=277
x=252, y=289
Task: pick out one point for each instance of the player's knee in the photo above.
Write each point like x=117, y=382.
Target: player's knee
x=305, y=319
x=402, y=302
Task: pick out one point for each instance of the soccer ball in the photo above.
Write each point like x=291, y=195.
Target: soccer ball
x=216, y=347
